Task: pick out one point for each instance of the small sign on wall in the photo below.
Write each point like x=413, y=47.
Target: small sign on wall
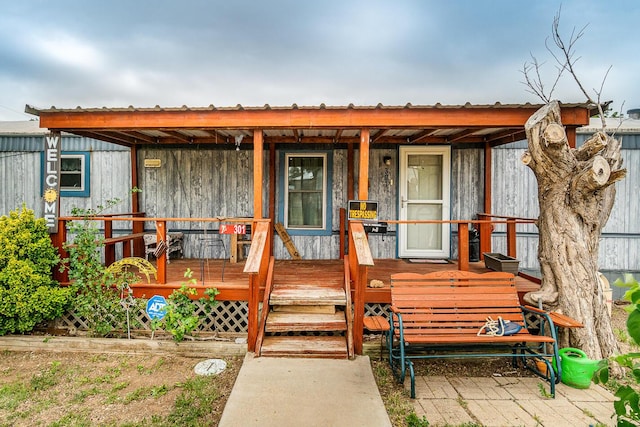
x=366, y=210
x=152, y=163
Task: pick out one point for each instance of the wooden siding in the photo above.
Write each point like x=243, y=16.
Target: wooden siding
x=209, y=182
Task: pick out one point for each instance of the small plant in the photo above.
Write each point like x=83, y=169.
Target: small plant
x=180, y=318
x=627, y=407
x=28, y=293
x=543, y=391
x=412, y=420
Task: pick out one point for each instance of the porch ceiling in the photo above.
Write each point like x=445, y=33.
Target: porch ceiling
x=495, y=124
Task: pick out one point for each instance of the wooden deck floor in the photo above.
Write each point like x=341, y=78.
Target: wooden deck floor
x=235, y=283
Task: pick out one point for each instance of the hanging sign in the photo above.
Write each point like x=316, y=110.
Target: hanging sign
x=364, y=210
x=51, y=181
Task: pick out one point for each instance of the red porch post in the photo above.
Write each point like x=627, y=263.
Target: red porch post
x=161, y=261
x=58, y=240
x=511, y=238
x=485, y=229
x=109, y=250
x=363, y=171
x=258, y=157
x=463, y=246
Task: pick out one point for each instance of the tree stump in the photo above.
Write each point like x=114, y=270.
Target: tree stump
x=575, y=195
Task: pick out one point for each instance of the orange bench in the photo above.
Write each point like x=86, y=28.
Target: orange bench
x=439, y=315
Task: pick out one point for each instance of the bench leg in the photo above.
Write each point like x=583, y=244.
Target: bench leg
x=412, y=375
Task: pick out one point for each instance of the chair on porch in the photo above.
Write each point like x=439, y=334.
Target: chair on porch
x=208, y=244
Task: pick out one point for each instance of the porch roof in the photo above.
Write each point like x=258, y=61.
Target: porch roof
x=494, y=124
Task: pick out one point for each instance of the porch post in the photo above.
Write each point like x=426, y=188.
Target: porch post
x=350, y=168
x=258, y=157
x=272, y=182
x=485, y=229
x=571, y=136
x=161, y=261
x=363, y=166
x=136, y=226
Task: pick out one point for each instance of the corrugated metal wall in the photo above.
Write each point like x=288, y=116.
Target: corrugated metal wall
x=20, y=171
x=515, y=193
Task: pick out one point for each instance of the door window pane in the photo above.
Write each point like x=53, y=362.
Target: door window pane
x=424, y=236
x=424, y=177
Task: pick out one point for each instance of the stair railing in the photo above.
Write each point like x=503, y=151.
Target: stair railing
x=265, y=307
x=257, y=266
x=359, y=259
x=348, y=309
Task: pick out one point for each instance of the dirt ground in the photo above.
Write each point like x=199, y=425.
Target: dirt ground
x=89, y=389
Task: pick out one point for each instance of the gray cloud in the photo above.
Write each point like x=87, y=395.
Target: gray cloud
x=118, y=53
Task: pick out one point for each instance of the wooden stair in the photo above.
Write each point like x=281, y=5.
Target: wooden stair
x=297, y=313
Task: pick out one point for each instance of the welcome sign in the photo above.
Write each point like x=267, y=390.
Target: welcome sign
x=51, y=181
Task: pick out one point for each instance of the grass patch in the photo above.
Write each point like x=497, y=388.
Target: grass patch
x=193, y=405
x=46, y=379
x=12, y=395
x=80, y=419
x=146, y=392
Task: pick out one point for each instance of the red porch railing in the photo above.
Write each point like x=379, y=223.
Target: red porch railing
x=132, y=242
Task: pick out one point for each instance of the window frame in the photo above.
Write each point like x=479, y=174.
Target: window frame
x=85, y=173
x=327, y=219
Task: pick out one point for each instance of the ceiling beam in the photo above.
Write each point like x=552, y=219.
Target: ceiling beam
x=506, y=137
x=302, y=118
x=461, y=135
x=337, y=136
x=378, y=135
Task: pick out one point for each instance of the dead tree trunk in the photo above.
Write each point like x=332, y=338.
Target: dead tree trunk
x=575, y=195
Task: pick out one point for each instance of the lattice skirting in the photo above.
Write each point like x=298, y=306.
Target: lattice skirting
x=227, y=316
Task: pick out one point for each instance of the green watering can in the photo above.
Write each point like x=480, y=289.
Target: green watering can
x=577, y=368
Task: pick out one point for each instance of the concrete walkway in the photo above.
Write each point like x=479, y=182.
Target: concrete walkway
x=509, y=401
x=304, y=392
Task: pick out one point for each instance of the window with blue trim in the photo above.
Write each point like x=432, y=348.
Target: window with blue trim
x=305, y=202
x=75, y=173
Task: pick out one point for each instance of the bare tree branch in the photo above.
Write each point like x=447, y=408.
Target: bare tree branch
x=564, y=55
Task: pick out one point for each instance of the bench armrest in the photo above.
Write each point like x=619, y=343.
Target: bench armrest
x=558, y=319
x=544, y=318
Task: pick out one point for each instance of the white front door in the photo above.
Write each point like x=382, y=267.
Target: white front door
x=424, y=195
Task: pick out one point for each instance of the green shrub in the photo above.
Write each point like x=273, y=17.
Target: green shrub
x=28, y=293
x=627, y=406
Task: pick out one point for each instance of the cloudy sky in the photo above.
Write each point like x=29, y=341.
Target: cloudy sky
x=117, y=53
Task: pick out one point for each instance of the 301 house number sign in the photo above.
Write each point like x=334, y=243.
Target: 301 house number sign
x=233, y=229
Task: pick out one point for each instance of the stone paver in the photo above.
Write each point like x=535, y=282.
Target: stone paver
x=550, y=412
x=594, y=393
x=435, y=388
x=601, y=411
x=500, y=413
x=440, y=412
x=522, y=388
x=510, y=401
x=478, y=388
